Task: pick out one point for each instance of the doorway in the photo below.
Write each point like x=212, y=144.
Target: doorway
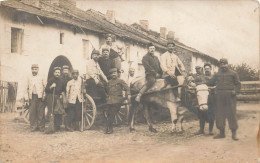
x=59, y=62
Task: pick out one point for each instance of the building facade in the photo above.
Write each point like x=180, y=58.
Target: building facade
x=55, y=32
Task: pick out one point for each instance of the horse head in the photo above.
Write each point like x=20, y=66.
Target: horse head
x=202, y=92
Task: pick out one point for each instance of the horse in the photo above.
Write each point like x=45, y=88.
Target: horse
x=159, y=95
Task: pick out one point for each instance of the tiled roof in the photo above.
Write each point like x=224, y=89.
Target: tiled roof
x=95, y=21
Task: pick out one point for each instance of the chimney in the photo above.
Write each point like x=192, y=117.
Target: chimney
x=144, y=24
x=110, y=16
x=170, y=35
x=163, y=31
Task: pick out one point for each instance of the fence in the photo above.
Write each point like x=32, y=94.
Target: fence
x=250, y=91
x=8, y=93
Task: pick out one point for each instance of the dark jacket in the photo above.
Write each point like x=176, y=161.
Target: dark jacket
x=65, y=80
x=115, y=91
x=106, y=65
x=227, y=80
x=59, y=86
x=199, y=79
x=151, y=65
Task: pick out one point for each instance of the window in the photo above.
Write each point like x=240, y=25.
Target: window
x=16, y=40
x=61, y=38
x=86, y=49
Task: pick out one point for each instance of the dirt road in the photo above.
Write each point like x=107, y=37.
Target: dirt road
x=18, y=144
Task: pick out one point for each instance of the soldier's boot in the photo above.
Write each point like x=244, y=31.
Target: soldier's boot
x=110, y=129
x=201, y=131
x=221, y=135
x=211, y=124
x=106, y=130
x=234, y=135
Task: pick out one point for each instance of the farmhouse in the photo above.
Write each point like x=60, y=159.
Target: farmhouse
x=56, y=32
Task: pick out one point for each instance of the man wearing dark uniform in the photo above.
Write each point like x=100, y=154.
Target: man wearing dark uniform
x=199, y=77
x=65, y=77
x=57, y=84
x=227, y=85
x=105, y=62
x=115, y=98
x=152, y=68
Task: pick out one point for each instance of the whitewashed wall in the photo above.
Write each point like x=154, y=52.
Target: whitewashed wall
x=41, y=45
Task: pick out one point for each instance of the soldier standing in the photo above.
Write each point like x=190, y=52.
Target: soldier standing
x=152, y=68
x=115, y=98
x=227, y=85
x=35, y=94
x=57, y=84
x=74, y=97
x=65, y=77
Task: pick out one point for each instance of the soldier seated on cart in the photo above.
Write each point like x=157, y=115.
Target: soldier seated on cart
x=115, y=98
x=96, y=80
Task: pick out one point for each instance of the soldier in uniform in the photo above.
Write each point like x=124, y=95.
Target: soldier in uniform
x=105, y=62
x=227, y=86
x=114, y=50
x=199, y=77
x=96, y=80
x=65, y=77
x=173, y=69
x=35, y=93
x=57, y=84
x=152, y=68
x=115, y=98
x=75, y=99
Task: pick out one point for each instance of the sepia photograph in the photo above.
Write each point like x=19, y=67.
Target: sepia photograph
x=121, y=81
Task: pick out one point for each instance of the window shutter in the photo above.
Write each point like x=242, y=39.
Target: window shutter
x=7, y=41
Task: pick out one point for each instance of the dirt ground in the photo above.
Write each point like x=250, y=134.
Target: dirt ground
x=18, y=144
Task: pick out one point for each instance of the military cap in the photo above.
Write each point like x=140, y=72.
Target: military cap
x=75, y=71
x=108, y=35
x=223, y=60
x=150, y=44
x=197, y=67
x=207, y=64
x=170, y=42
x=35, y=66
x=105, y=49
x=112, y=70
x=95, y=52
x=65, y=67
x=56, y=68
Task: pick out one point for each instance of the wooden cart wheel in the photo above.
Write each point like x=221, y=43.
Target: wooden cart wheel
x=121, y=117
x=90, y=110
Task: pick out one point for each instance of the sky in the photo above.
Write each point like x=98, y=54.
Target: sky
x=227, y=29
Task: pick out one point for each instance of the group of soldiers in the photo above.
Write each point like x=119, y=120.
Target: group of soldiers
x=106, y=82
